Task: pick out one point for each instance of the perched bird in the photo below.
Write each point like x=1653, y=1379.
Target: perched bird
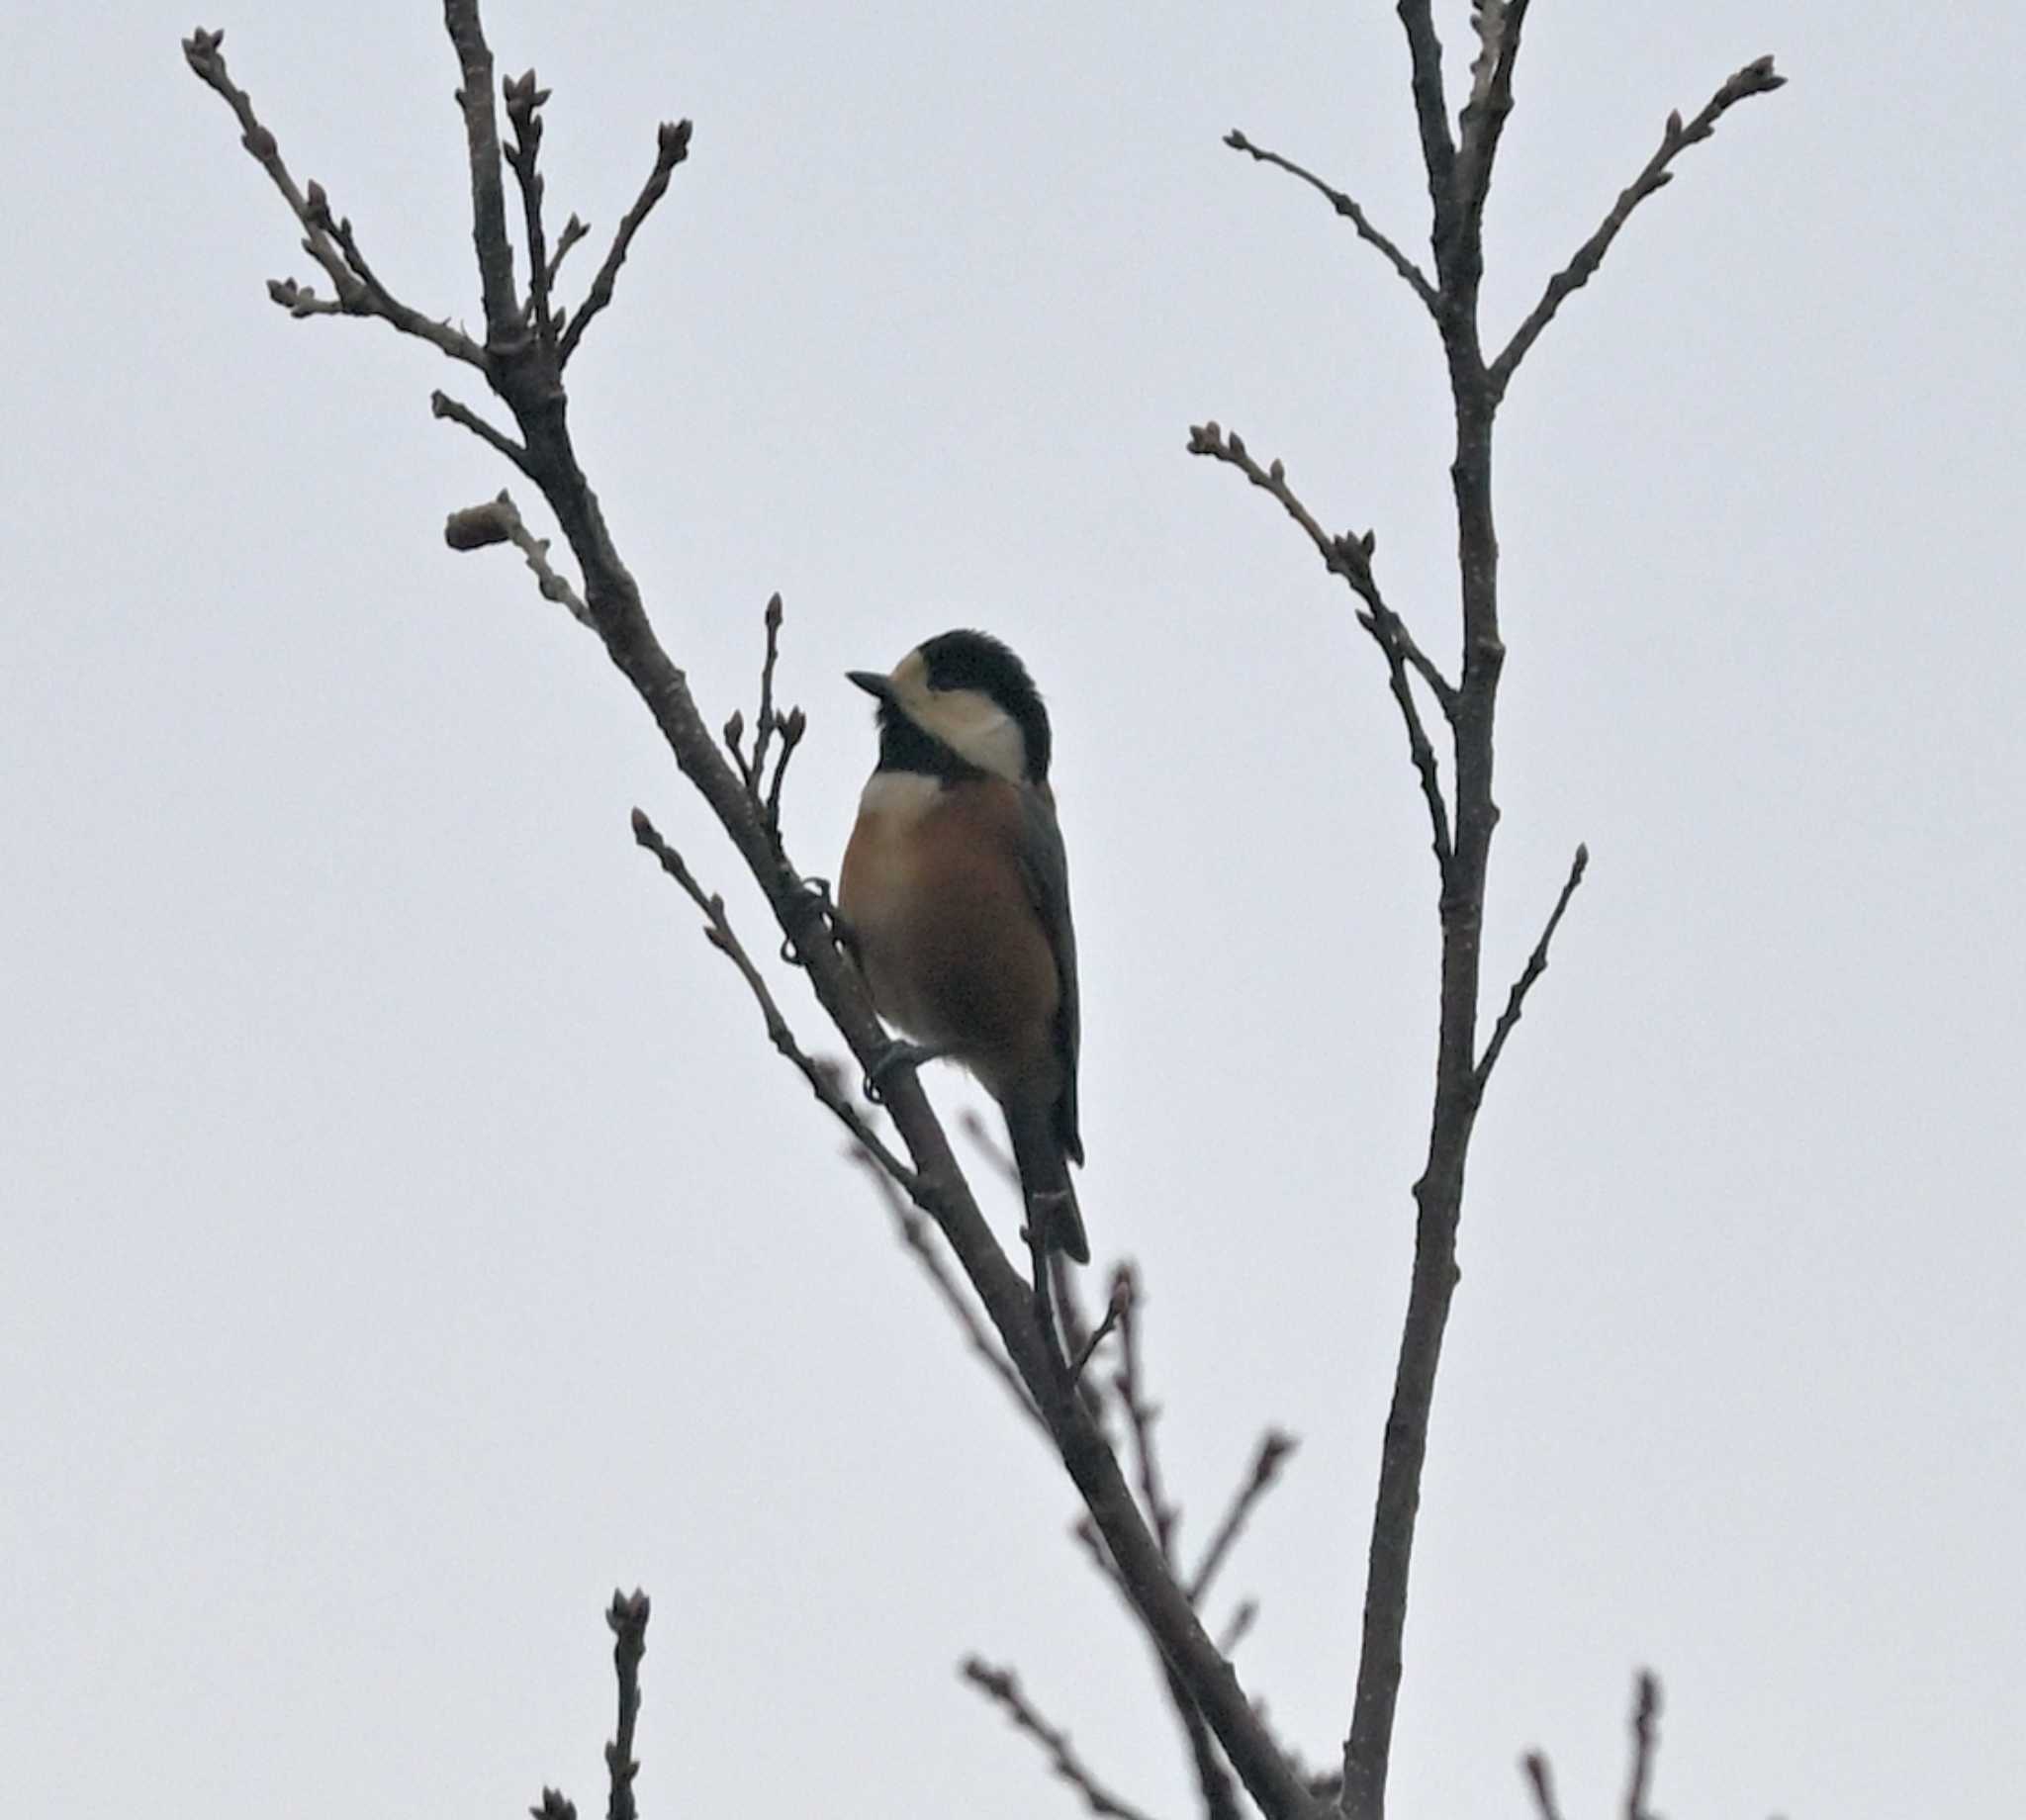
x=954, y=892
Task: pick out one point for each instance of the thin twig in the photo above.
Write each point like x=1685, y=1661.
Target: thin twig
x=627, y=1616
x=442, y=405
x=329, y=242
x=505, y=326
x=1497, y=24
x=719, y=932
x=913, y=1229
x=1351, y=557
x=1241, y=1622
x=1432, y=117
x=1537, y=965
x=573, y=232
x=1346, y=206
x=499, y=520
x=1065, y=1280
x=1141, y=1415
x=790, y=726
x=1756, y=78
x=763, y=730
x=1212, y=1780
x=1001, y=1685
x=1274, y=1447
x=1213, y=1777
x=301, y=300
x=672, y=147
x=1348, y=556
x=1086, y=1533
x=1542, y=1781
x=995, y=1152
x=1114, y=1311
x=1645, y=1712
x=523, y=112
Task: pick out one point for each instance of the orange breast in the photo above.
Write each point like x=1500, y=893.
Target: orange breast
x=952, y=949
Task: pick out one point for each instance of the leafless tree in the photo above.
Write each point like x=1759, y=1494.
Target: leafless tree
x=1100, y=1422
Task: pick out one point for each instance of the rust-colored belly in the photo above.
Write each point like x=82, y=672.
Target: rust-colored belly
x=947, y=936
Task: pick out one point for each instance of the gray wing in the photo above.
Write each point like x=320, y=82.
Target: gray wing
x=1047, y=869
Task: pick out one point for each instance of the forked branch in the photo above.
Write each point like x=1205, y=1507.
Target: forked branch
x=525, y=371
x=327, y=240
x=1351, y=557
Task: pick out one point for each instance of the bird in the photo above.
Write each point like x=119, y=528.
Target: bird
x=955, y=893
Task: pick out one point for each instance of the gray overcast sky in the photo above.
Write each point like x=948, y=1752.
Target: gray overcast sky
x=408, y=1231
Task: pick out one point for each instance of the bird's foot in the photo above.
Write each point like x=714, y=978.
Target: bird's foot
x=896, y=1055
x=817, y=892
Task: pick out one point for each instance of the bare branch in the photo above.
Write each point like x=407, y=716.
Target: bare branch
x=523, y=111
x=1756, y=78
x=1416, y=279
x=672, y=147
x=764, y=731
x=1001, y=1685
x=301, y=300
x=1431, y=116
x=1541, y=1782
x=719, y=932
x=1114, y=1312
x=1141, y=1415
x=628, y=1618
x=1537, y=965
x=1242, y=1621
x=442, y=405
x=524, y=375
x=499, y=520
x=1497, y=24
x=790, y=726
x=1274, y=1447
x=573, y=232
x=1645, y=1711
x=331, y=242
x=505, y=324
x=1351, y=557
x=1348, y=556
x=1212, y=1780
x=914, y=1230
x=995, y=1152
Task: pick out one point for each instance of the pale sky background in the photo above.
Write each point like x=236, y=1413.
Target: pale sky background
x=407, y=1232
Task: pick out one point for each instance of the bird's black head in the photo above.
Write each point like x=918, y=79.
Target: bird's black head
x=967, y=694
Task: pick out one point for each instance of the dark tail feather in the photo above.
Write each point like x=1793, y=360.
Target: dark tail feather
x=1045, y=1180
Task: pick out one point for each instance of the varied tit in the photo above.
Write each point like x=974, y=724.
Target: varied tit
x=956, y=893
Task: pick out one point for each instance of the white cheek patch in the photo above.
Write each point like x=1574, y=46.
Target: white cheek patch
x=973, y=725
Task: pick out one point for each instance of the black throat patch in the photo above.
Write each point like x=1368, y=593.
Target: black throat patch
x=903, y=746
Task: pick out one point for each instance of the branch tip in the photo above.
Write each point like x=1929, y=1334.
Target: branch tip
x=1002, y=1686
x=1757, y=78
x=1346, y=206
x=1537, y=965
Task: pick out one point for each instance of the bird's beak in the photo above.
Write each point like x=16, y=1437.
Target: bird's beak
x=873, y=682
